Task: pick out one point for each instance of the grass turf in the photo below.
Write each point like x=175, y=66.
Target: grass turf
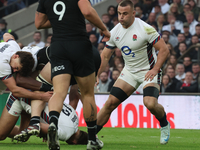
x=121, y=139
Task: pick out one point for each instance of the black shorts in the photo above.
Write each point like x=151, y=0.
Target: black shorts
x=71, y=57
x=43, y=56
x=97, y=62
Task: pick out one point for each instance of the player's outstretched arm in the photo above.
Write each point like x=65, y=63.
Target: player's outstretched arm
x=105, y=57
x=162, y=56
x=21, y=92
x=32, y=84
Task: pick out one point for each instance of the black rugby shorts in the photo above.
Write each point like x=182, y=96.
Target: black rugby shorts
x=72, y=57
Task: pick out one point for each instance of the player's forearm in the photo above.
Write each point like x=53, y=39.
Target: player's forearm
x=93, y=17
x=32, y=84
x=28, y=83
x=105, y=57
x=21, y=92
x=162, y=56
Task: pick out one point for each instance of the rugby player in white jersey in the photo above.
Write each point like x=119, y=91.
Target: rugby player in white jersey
x=12, y=60
x=137, y=41
x=67, y=124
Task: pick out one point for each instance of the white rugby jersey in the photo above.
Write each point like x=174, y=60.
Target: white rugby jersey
x=34, y=51
x=7, y=49
x=136, y=44
x=67, y=122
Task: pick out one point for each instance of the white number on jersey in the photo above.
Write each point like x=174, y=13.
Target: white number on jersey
x=60, y=13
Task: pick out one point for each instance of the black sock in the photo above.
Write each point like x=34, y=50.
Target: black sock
x=34, y=120
x=163, y=121
x=91, y=126
x=99, y=128
x=53, y=117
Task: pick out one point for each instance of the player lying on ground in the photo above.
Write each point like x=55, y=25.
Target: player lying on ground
x=68, y=122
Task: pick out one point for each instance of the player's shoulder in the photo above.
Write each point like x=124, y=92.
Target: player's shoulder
x=10, y=46
x=31, y=49
x=115, y=29
x=117, y=26
x=148, y=29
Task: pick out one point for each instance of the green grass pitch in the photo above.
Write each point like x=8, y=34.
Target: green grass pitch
x=121, y=139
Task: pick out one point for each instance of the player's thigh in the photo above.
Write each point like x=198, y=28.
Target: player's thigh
x=7, y=123
x=83, y=62
x=125, y=86
x=46, y=72
x=61, y=83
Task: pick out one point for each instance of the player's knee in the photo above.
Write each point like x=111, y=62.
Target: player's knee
x=150, y=94
x=149, y=103
x=111, y=103
x=118, y=94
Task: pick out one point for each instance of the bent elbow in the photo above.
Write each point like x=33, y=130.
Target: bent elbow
x=87, y=13
x=37, y=25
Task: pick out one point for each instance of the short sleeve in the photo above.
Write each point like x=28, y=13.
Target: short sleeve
x=152, y=35
x=14, y=44
x=41, y=7
x=111, y=44
x=5, y=70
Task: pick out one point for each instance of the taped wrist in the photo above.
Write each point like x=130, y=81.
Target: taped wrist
x=46, y=87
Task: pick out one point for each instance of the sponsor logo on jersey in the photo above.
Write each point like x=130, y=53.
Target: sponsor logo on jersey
x=74, y=118
x=117, y=39
x=58, y=68
x=134, y=37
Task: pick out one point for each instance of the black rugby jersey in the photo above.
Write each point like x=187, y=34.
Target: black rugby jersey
x=65, y=17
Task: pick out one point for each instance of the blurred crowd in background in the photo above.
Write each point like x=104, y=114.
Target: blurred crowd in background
x=177, y=21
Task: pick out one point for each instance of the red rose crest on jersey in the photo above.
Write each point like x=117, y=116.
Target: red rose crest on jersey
x=134, y=37
x=117, y=39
